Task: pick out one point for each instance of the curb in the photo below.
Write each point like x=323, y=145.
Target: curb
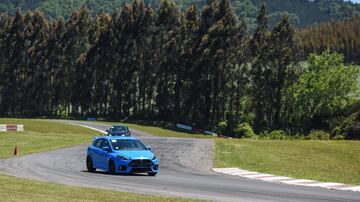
x=285, y=180
x=92, y=128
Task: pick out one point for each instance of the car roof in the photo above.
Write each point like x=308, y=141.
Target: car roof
x=115, y=138
x=119, y=126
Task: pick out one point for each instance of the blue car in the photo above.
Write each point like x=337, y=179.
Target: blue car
x=119, y=154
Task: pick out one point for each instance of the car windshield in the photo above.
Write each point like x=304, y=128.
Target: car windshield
x=118, y=129
x=127, y=145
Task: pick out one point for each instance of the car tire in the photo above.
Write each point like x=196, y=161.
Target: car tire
x=90, y=165
x=151, y=174
x=112, y=169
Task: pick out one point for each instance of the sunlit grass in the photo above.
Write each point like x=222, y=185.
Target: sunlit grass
x=334, y=161
x=41, y=135
x=15, y=189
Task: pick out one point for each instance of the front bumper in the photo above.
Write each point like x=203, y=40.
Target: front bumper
x=137, y=166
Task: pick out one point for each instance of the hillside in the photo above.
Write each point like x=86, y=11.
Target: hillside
x=301, y=12
x=331, y=35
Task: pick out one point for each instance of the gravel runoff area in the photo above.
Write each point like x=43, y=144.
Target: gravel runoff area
x=185, y=171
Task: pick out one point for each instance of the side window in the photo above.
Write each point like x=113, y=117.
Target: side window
x=105, y=143
x=94, y=143
x=98, y=143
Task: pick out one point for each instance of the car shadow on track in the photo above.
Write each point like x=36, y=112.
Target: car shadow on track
x=117, y=174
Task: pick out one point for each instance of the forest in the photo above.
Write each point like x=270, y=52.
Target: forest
x=340, y=36
x=301, y=12
x=203, y=68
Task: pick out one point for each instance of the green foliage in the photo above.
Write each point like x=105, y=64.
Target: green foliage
x=351, y=126
x=325, y=86
x=331, y=35
x=338, y=137
x=221, y=127
x=336, y=132
x=244, y=130
x=301, y=12
x=172, y=65
x=318, y=135
x=277, y=135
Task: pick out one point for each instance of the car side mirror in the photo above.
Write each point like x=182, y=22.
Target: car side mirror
x=149, y=148
x=107, y=131
x=106, y=149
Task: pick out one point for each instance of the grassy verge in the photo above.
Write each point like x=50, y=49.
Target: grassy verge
x=334, y=161
x=15, y=189
x=41, y=135
x=161, y=132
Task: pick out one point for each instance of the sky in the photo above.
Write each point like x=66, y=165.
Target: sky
x=356, y=1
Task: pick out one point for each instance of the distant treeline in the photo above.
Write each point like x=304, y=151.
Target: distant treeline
x=341, y=36
x=186, y=67
x=301, y=12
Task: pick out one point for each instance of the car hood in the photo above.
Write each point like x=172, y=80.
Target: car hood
x=119, y=133
x=137, y=154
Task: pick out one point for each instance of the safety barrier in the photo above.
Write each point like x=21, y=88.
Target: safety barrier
x=196, y=130
x=11, y=127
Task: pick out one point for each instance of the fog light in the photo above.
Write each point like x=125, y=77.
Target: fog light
x=156, y=167
x=122, y=168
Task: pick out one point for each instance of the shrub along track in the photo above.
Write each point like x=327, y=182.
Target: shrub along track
x=185, y=165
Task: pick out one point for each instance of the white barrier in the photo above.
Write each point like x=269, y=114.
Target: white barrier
x=210, y=133
x=185, y=127
x=11, y=127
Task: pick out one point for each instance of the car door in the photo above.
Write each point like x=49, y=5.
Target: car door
x=103, y=156
x=95, y=153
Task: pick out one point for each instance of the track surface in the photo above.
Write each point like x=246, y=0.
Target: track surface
x=184, y=172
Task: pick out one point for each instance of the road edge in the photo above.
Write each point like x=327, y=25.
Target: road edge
x=285, y=180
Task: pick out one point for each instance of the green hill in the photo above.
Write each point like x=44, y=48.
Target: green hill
x=302, y=12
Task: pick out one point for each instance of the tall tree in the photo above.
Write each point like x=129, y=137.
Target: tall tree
x=282, y=60
x=168, y=33
x=259, y=51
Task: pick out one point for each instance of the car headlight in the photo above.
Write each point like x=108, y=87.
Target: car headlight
x=123, y=158
x=154, y=157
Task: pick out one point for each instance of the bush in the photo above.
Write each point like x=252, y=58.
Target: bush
x=278, y=135
x=221, y=127
x=338, y=137
x=244, y=130
x=335, y=131
x=351, y=126
x=318, y=135
x=298, y=136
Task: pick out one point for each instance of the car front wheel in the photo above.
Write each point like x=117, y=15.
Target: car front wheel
x=112, y=169
x=89, y=164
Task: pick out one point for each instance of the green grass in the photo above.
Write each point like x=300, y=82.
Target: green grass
x=331, y=161
x=41, y=135
x=161, y=132
x=15, y=189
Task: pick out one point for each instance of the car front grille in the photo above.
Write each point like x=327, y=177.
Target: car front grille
x=142, y=163
x=140, y=170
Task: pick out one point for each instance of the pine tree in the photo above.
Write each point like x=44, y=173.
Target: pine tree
x=282, y=60
x=5, y=26
x=189, y=74
x=76, y=42
x=216, y=60
x=54, y=58
x=168, y=32
x=260, y=70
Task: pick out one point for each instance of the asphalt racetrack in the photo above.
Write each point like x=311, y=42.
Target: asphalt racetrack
x=184, y=171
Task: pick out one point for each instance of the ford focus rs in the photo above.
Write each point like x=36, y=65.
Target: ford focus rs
x=119, y=154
